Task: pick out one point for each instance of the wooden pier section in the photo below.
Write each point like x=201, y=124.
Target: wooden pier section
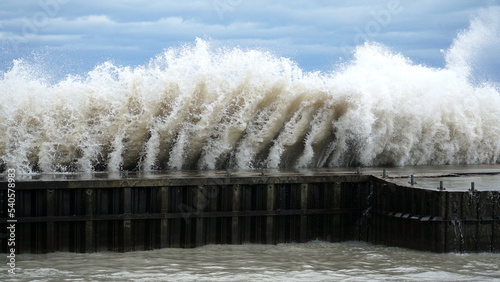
x=140, y=213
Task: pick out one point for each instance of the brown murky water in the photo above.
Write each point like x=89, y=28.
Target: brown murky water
x=314, y=261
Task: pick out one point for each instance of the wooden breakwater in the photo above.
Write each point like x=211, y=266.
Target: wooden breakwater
x=136, y=213
x=434, y=220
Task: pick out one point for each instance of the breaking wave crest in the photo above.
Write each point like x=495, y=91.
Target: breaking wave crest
x=200, y=107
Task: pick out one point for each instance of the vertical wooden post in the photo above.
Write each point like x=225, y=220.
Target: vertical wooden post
x=304, y=189
x=259, y=205
x=377, y=191
x=139, y=230
x=281, y=221
x=152, y=225
x=176, y=230
x=188, y=238
x=26, y=228
x=454, y=230
x=495, y=202
x=327, y=219
x=64, y=209
x=50, y=232
x=405, y=200
x=39, y=234
x=116, y=225
x=89, y=211
x=101, y=232
x=200, y=204
x=270, y=218
x=225, y=205
x=427, y=230
x=361, y=224
x=438, y=221
x=211, y=199
x=163, y=204
x=470, y=203
x=247, y=220
x=395, y=237
x=235, y=238
x=76, y=230
x=127, y=224
x=337, y=200
x=485, y=225
x=421, y=242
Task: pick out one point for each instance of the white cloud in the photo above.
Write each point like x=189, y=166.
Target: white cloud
x=293, y=28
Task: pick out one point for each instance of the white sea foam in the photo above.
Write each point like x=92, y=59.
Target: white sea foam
x=200, y=107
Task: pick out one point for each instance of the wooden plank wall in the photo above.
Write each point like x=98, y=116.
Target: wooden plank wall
x=434, y=220
x=79, y=216
x=96, y=218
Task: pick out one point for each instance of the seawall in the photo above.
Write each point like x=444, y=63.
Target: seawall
x=132, y=212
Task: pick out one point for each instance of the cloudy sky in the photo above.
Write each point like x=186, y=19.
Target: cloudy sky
x=69, y=36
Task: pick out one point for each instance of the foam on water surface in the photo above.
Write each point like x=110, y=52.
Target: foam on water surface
x=313, y=261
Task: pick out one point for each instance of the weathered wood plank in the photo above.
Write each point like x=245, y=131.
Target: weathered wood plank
x=304, y=191
x=235, y=234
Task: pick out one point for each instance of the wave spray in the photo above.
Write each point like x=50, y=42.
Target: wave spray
x=200, y=107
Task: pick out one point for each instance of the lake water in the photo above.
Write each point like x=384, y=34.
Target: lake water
x=313, y=261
